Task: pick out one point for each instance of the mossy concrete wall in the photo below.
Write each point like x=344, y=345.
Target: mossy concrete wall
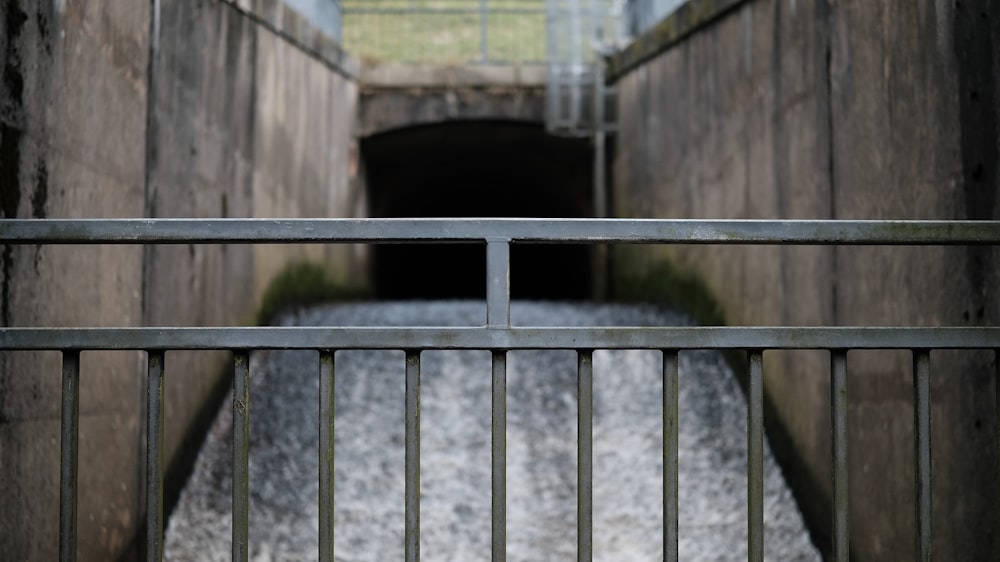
x=251, y=114
x=835, y=110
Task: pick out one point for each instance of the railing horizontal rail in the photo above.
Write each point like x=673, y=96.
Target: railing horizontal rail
x=442, y=11
x=493, y=338
x=581, y=231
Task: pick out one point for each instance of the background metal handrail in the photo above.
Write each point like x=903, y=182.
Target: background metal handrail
x=500, y=338
x=653, y=231
x=324, y=14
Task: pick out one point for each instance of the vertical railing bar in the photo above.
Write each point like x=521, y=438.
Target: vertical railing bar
x=498, y=282
x=499, y=468
x=241, y=455
x=755, y=458
x=576, y=46
x=498, y=316
x=838, y=412
x=326, y=453
x=922, y=451
x=585, y=455
x=412, y=468
x=154, y=456
x=483, y=31
x=996, y=412
x=670, y=429
x=69, y=455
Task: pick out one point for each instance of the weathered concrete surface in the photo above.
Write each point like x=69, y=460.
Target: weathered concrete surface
x=784, y=109
x=74, y=95
x=304, y=152
x=919, y=119
x=202, y=136
x=396, y=96
x=72, y=132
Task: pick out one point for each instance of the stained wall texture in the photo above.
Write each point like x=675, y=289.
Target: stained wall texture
x=250, y=114
x=835, y=110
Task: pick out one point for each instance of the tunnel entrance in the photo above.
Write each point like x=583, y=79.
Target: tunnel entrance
x=478, y=169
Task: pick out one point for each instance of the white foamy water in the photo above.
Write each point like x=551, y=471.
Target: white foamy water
x=455, y=451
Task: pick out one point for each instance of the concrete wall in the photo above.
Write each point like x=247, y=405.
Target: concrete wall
x=251, y=114
x=395, y=96
x=845, y=110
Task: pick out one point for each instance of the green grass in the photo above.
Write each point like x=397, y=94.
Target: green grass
x=429, y=34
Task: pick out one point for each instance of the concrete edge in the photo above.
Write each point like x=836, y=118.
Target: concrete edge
x=687, y=20
x=298, y=31
x=409, y=76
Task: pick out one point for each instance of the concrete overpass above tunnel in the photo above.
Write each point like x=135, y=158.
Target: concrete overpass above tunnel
x=470, y=140
x=395, y=96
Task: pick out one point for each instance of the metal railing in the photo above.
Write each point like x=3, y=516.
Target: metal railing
x=499, y=337
x=445, y=31
x=640, y=15
x=324, y=14
x=579, y=34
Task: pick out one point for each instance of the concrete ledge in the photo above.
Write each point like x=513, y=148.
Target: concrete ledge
x=291, y=26
x=689, y=18
x=409, y=76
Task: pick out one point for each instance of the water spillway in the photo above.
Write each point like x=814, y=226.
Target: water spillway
x=455, y=450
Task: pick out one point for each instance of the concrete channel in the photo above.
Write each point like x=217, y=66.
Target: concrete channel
x=455, y=450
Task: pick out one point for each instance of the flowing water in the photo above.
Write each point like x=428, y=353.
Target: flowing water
x=455, y=450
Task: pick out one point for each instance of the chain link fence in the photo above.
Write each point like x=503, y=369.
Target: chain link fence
x=445, y=31
x=324, y=14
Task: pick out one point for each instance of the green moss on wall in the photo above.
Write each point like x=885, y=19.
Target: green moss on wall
x=303, y=284
x=667, y=284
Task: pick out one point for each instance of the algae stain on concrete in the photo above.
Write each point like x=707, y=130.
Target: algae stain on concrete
x=10, y=137
x=665, y=283
x=304, y=284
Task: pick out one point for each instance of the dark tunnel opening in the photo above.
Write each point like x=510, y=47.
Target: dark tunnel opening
x=478, y=169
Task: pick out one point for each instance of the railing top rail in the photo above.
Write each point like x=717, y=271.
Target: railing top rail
x=661, y=231
x=507, y=338
x=459, y=9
